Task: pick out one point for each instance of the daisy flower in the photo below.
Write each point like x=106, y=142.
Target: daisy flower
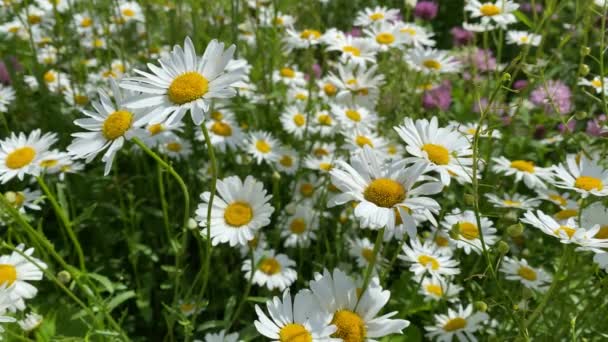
x=108, y=127
x=436, y=289
x=586, y=176
x=184, y=82
x=354, y=116
x=442, y=240
x=130, y=11
x=384, y=35
x=469, y=236
x=353, y=313
x=294, y=121
x=287, y=161
x=157, y=134
x=268, y=18
x=225, y=134
x=30, y=322
x=16, y=272
x=301, y=39
x=307, y=187
x=532, y=175
x=445, y=149
x=357, y=51
x=597, y=83
x=516, y=201
x=596, y=214
x=176, y=148
x=323, y=163
x=460, y=323
x=363, y=251
x=263, y=147
x=297, y=320
x=21, y=154
x=426, y=259
x=275, y=271
x=26, y=199
x=415, y=35
x=499, y=12
x=359, y=138
x=323, y=123
x=369, y=16
x=520, y=270
x=6, y=301
x=7, y=95
x=357, y=85
x=289, y=76
x=381, y=190
x=431, y=61
x=239, y=210
x=221, y=337
x=300, y=227
x=523, y=38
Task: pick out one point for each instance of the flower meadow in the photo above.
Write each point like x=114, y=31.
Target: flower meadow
x=298, y=171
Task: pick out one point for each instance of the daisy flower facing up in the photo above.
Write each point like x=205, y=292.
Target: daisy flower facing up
x=352, y=50
x=433, y=288
x=416, y=35
x=530, y=277
x=469, y=237
x=596, y=83
x=300, y=227
x=239, y=210
x=431, y=61
x=532, y=175
x=289, y=76
x=523, y=38
x=354, y=117
x=363, y=251
x=16, y=272
x=385, y=35
x=296, y=321
x=273, y=270
x=381, y=190
x=263, y=147
x=369, y=16
x=301, y=39
x=26, y=199
x=427, y=259
x=184, y=82
x=445, y=149
x=499, y=12
x=460, y=323
x=21, y=154
x=516, y=201
x=353, y=314
x=108, y=127
x=586, y=177
x=294, y=121
x=287, y=161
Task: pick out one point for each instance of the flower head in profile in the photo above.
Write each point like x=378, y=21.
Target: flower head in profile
x=17, y=270
x=520, y=270
x=275, y=271
x=582, y=174
x=460, y=323
x=499, y=12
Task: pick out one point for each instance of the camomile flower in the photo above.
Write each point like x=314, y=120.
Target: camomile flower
x=520, y=270
x=357, y=84
x=108, y=127
x=596, y=214
x=7, y=96
x=275, y=271
x=477, y=27
x=523, y=38
x=300, y=227
x=239, y=210
x=469, y=236
x=21, y=154
x=461, y=323
x=586, y=177
x=414, y=218
x=369, y=16
x=322, y=163
x=363, y=251
x=445, y=149
x=257, y=243
x=597, y=83
x=516, y=201
x=355, y=314
x=323, y=123
x=295, y=321
x=290, y=76
x=268, y=18
x=16, y=272
x=426, y=259
x=327, y=88
x=176, y=148
x=157, y=134
x=436, y=289
x=307, y=188
x=297, y=95
x=293, y=120
x=558, y=198
x=30, y=322
x=359, y=138
x=26, y=199
x=221, y=337
x=415, y=35
x=441, y=239
x=287, y=161
x=532, y=175
x=6, y=301
x=130, y=11
x=384, y=35
x=469, y=129
x=54, y=161
x=54, y=80
x=301, y=39
x=225, y=134
x=263, y=147
x=499, y=12
x=184, y=82
x=380, y=189
x=84, y=23
x=354, y=116
x=355, y=50
x=431, y=61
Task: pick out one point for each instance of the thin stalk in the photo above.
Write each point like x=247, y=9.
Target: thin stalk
x=372, y=264
x=239, y=308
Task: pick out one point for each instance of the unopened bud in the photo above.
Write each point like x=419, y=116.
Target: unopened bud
x=64, y=277
x=580, y=115
x=584, y=70
x=480, y=306
x=515, y=230
x=585, y=51
x=276, y=176
x=192, y=224
x=469, y=199
x=506, y=77
x=503, y=247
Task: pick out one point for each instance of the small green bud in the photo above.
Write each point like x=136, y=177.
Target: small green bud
x=580, y=115
x=192, y=224
x=515, y=230
x=469, y=199
x=585, y=51
x=480, y=306
x=455, y=231
x=503, y=247
x=584, y=70
x=276, y=176
x=506, y=77
x=64, y=277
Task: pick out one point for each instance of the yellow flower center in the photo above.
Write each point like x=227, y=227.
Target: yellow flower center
x=294, y=332
x=8, y=274
x=566, y=214
x=468, y=230
x=34, y=19
x=116, y=124
x=455, y=324
x=310, y=34
x=217, y=115
x=432, y=64
x=221, y=128
x=588, y=183
x=238, y=214
x=262, y=146
x=287, y=72
x=49, y=163
x=559, y=199
x=270, y=266
x=81, y=99
x=325, y=166
x=20, y=157
x=297, y=226
x=286, y=161
x=385, y=38
x=278, y=21
x=426, y=260
x=523, y=165
x=437, y=153
x=434, y=289
x=489, y=10
x=441, y=241
x=253, y=243
x=301, y=96
x=299, y=120
x=307, y=189
x=330, y=89
x=155, y=129
x=384, y=192
x=174, y=146
x=368, y=254
x=352, y=50
x=324, y=120
x=596, y=83
x=524, y=39
x=568, y=230
x=409, y=30
x=186, y=308
x=49, y=77
x=319, y=152
x=187, y=87
x=602, y=233
x=86, y=22
x=527, y=273
x=511, y=203
x=351, y=327
x=376, y=16
x=127, y=12
x=363, y=140
x=353, y=115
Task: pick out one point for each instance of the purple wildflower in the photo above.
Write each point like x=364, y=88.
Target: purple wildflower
x=439, y=97
x=426, y=10
x=461, y=36
x=553, y=95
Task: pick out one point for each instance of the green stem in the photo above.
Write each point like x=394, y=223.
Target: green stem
x=239, y=308
x=372, y=264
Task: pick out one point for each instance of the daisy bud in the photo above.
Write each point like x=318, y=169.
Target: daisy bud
x=469, y=199
x=480, y=306
x=580, y=115
x=64, y=277
x=10, y=196
x=515, y=230
x=455, y=231
x=503, y=247
x=506, y=77
x=584, y=70
x=192, y=224
x=512, y=216
x=585, y=51
x=276, y=176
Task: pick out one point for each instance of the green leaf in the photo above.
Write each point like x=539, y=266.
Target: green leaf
x=119, y=299
x=103, y=280
x=523, y=18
